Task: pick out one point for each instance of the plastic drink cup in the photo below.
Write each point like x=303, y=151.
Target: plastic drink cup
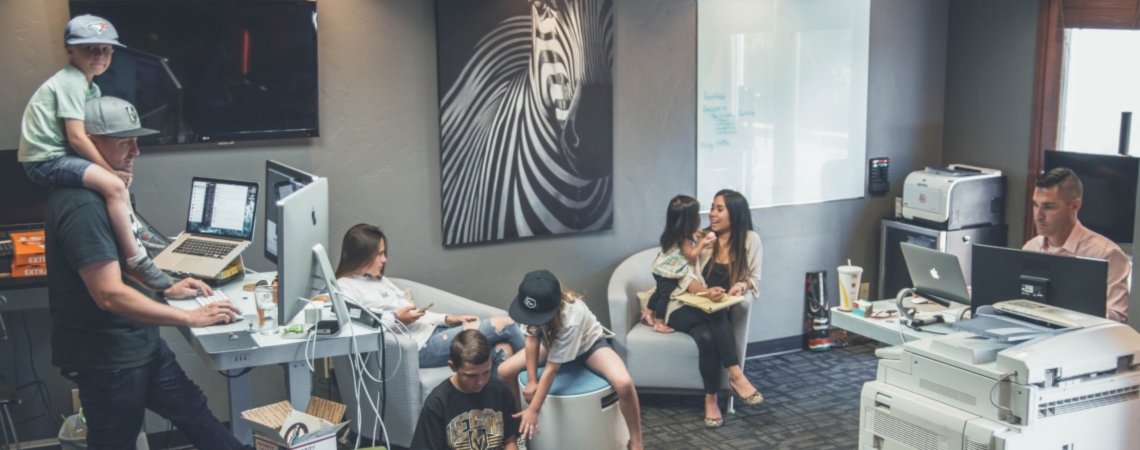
x=849, y=277
x=266, y=299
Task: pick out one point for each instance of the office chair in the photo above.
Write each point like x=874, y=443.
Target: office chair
x=8, y=396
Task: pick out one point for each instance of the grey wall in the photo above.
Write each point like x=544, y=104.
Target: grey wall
x=380, y=150
x=989, y=93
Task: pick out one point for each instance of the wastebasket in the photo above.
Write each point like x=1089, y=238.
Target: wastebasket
x=73, y=435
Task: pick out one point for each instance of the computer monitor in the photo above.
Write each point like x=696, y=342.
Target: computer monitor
x=304, y=218
x=1075, y=284
x=1108, y=206
x=280, y=181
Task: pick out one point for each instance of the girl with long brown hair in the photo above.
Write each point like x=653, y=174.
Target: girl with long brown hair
x=360, y=274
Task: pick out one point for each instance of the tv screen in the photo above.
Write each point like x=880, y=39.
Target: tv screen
x=210, y=71
x=1108, y=205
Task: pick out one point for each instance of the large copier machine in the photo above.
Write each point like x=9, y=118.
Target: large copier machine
x=1074, y=387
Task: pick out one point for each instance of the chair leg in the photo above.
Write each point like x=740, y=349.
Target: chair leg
x=4, y=429
x=16, y=438
x=731, y=405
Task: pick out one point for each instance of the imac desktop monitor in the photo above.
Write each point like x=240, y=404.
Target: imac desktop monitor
x=1075, y=284
x=280, y=180
x=304, y=218
x=936, y=275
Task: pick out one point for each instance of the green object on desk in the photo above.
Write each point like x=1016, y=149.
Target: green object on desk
x=295, y=328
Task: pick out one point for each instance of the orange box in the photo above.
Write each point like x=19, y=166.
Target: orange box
x=28, y=249
x=33, y=270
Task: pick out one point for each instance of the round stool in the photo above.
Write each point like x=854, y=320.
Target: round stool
x=581, y=411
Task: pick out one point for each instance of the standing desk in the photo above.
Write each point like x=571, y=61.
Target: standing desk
x=273, y=349
x=887, y=330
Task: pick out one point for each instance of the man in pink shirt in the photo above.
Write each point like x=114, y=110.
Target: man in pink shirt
x=1056, y=201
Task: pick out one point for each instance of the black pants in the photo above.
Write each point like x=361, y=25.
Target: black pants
x=716, y=346
x=114, y=403
x=659, y=301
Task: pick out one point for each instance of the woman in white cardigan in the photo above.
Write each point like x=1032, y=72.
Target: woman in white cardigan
x=729, y=267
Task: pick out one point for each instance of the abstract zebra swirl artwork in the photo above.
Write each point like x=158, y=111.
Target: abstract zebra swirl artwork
x=526, y=117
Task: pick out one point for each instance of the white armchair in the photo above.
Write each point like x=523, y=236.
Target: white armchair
x=660, y=363
x=408, y=384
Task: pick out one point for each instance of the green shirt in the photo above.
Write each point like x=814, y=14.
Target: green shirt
x=43, y=136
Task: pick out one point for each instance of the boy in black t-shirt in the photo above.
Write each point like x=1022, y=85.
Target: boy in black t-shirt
x=470, y=410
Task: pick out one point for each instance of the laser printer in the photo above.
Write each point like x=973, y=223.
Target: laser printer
x=1073, y=386
x=954, y=197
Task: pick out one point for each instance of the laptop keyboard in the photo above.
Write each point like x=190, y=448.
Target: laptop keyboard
x=208, y=249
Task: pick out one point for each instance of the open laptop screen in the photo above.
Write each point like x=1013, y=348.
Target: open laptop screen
x=222, y=208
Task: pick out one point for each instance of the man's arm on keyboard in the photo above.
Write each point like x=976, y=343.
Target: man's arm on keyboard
x=104, y=283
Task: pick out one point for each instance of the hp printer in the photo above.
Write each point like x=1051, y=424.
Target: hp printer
x=1073, y=386
x=956, y=197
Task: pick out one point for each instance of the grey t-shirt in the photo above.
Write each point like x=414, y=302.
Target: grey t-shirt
x=83, y=336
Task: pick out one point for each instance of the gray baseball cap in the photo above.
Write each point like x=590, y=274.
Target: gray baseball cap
x=88, y=29
x=115, y=117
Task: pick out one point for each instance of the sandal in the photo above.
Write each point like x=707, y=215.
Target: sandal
x=662, y=328
x=646, y=317
x=713, y=423
x=751, y=400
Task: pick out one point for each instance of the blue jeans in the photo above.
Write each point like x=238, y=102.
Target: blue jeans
x=437, y=350
x=114, y=402
x=65, y=171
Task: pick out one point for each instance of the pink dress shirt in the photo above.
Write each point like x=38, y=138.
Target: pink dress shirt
x=1087, y=243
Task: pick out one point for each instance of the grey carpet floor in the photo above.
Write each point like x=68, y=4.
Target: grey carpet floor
x=811, y=401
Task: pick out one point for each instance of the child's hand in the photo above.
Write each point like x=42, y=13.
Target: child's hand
x=408, y=315
x=127, y=177
x=528, y=423
x=710, y=238
x=529, y=390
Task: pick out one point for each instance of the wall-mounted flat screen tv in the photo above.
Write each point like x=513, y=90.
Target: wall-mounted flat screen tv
x=214, y=71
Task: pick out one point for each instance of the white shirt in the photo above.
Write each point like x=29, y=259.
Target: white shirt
x=382, y=295
x=580, y=330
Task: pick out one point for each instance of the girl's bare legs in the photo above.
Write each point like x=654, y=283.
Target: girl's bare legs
x=610, y=365
x=509, y=371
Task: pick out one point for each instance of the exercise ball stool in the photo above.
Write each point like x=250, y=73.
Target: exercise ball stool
x=581, y=411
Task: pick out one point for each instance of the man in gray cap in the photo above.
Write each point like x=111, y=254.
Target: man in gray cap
x=104, y=332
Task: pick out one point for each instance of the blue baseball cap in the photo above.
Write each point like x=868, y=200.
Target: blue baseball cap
x=88, y=29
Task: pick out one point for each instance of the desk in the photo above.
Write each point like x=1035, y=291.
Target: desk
x=23, y=298
x=273, y=349
x=887, y=330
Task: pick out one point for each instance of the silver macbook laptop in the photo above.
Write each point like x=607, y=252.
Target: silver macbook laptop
x=936, y=275
x=219, y=226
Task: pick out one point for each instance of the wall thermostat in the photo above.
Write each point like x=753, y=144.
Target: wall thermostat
x=877, y=169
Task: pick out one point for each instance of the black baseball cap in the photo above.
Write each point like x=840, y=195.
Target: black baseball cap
x=540, y=294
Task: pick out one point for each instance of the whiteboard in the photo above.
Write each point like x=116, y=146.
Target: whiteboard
x=782, y=99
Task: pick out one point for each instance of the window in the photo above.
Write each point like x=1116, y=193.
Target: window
x=1101, y=79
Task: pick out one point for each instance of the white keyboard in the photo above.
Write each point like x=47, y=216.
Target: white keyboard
x=217, y=297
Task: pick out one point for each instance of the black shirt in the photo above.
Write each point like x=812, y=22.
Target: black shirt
x=83, y=336
x=716, y=275
x=453, y=420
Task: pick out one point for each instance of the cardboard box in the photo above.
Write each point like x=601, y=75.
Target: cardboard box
x=31, y=270
x=28, y=248
x=280, y=427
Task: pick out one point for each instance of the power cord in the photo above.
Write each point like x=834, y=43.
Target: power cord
x=1012, y=419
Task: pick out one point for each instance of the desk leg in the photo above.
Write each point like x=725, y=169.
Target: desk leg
x=299, y=382
x=239, y=402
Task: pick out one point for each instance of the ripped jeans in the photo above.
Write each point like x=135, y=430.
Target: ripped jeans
x=437, y=350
